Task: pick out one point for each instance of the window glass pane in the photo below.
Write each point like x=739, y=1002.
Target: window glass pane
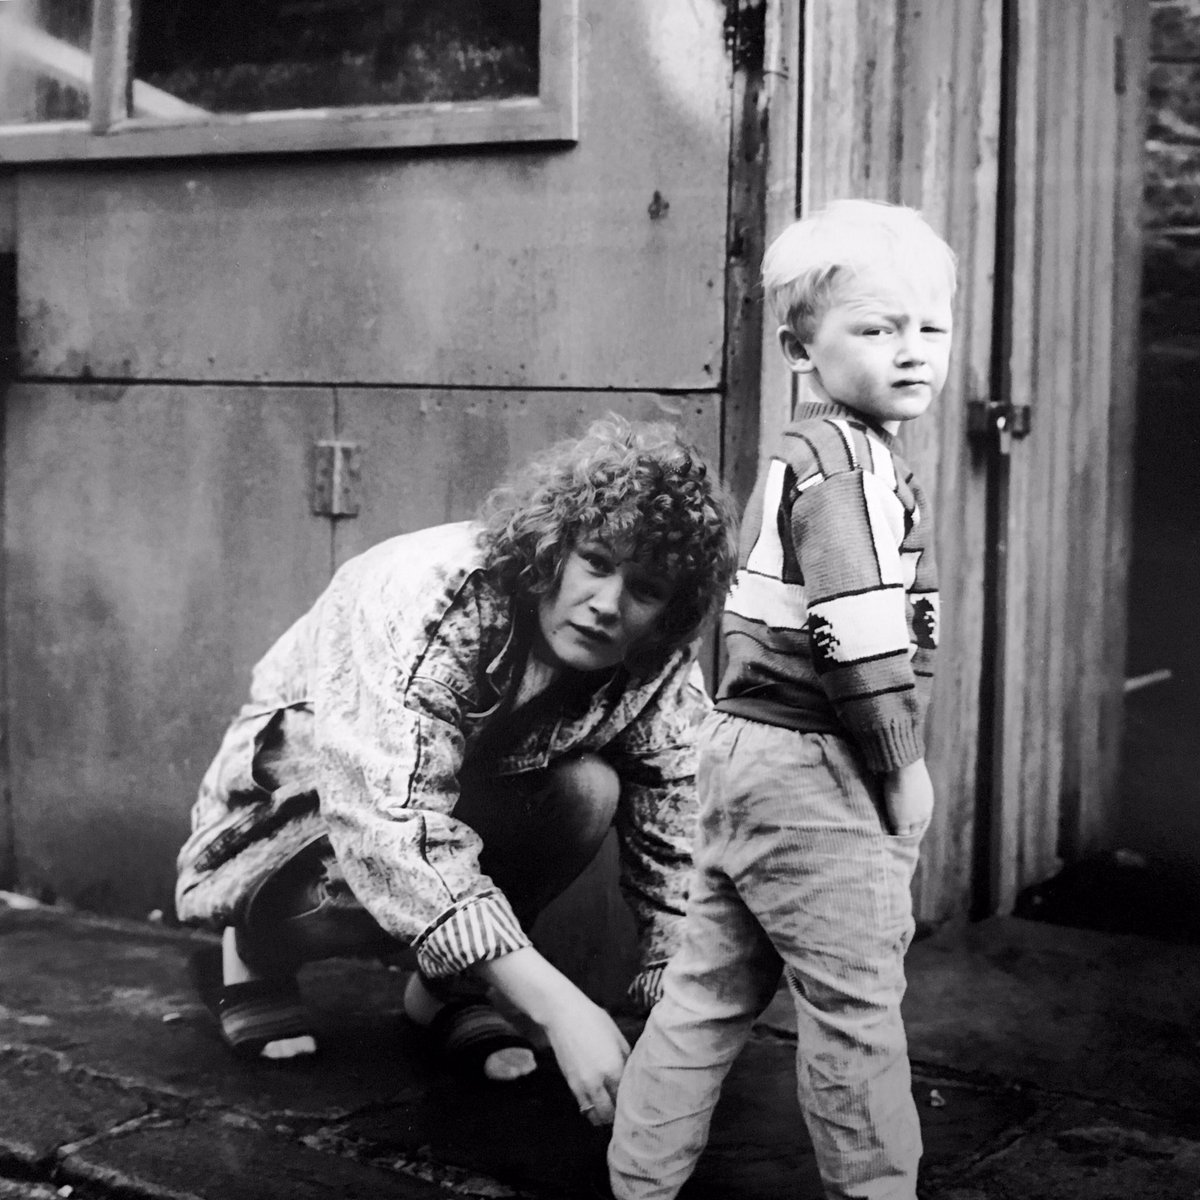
x=242, y=56
x=45, y=63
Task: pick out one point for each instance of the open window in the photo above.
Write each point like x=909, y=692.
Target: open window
x=95, y=79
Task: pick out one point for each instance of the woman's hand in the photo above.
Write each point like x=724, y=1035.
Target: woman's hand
x=908, y=798
x=591, y=1053
x=587, y=1044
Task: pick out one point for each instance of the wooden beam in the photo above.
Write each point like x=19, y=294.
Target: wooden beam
x=782, y=83
x=746, y=26
x=111, y=20
x=72, y=67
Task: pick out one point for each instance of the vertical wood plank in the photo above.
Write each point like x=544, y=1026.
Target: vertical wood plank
x=901, y=102
x=1019, y=337
x=1058, y=306
x=1132, y=26
x=749, y=145
x=948, y=169
x=8, y=335
x=1083, y=812
x=1068, y=487
x=782, y=85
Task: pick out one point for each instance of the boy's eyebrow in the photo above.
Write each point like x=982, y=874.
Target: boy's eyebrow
x=868, y=311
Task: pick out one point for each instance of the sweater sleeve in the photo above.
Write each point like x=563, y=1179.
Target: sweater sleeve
x=847, y=530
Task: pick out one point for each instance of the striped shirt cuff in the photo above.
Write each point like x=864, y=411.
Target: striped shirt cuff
x=481, y=928
x=646, y=989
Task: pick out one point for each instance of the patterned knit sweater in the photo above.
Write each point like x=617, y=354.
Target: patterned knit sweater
x=832, y=622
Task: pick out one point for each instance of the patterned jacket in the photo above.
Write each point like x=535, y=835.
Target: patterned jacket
x=832, y=622
x=396, y=670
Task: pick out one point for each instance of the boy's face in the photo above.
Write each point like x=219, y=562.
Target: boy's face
x=881, y=346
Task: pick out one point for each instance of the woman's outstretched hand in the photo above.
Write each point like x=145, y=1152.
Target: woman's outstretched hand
x=591, y=1053
x=587, y=1044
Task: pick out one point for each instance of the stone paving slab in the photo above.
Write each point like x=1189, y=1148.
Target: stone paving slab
x=1021, y=1078
x=14, y=1189
x=1111, y=1017
x=231, y=1158
x=1108, y=1016
x=1083, y=1151
x=116, y=997
x=48, y=1103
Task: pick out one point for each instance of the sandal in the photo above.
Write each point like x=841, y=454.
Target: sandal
x=468, y=1031
x=252, y=1014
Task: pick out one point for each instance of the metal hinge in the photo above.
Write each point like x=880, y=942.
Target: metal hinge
x=1006, y=421
x=336, y=479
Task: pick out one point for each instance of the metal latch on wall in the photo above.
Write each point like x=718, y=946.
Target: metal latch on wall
x=336, y=479
x=1006, y=421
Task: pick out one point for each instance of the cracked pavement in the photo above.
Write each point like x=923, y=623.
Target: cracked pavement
x=1048, y=1062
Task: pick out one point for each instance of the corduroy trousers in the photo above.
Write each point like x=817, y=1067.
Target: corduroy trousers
x=794, y=873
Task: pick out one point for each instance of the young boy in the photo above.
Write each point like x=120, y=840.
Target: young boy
x=813, y=787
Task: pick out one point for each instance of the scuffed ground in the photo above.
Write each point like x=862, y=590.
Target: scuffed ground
x=1048, y=1062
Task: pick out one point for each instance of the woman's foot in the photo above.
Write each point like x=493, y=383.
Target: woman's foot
x=269, y=1010
x=473, y=1034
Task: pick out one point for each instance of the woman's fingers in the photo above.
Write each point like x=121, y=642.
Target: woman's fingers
x=599, y=1104
x=591, y=1053
x=602, y=1112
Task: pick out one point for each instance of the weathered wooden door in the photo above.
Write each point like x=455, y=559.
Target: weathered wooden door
x=1066, y=386
x=902, y=103
x=1015, y=126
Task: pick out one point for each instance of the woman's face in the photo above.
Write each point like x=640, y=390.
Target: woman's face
x=605, y=604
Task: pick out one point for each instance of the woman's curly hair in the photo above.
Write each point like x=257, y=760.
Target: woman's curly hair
x=621, y=482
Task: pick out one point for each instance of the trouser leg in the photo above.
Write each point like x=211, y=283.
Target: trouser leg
x=842, y=926
x=720, y=980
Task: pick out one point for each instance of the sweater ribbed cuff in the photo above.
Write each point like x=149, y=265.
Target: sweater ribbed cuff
x=892, y=746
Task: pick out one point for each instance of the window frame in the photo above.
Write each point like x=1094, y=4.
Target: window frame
x=551, y=116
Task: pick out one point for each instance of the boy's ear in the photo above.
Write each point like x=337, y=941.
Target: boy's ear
x=794, y=350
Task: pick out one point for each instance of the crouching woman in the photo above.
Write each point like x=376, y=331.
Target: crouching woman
x=439, y=746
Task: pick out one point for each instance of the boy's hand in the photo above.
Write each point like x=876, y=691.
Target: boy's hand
x=907, y=798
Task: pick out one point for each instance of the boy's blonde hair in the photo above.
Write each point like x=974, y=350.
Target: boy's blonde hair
x=803, y=265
